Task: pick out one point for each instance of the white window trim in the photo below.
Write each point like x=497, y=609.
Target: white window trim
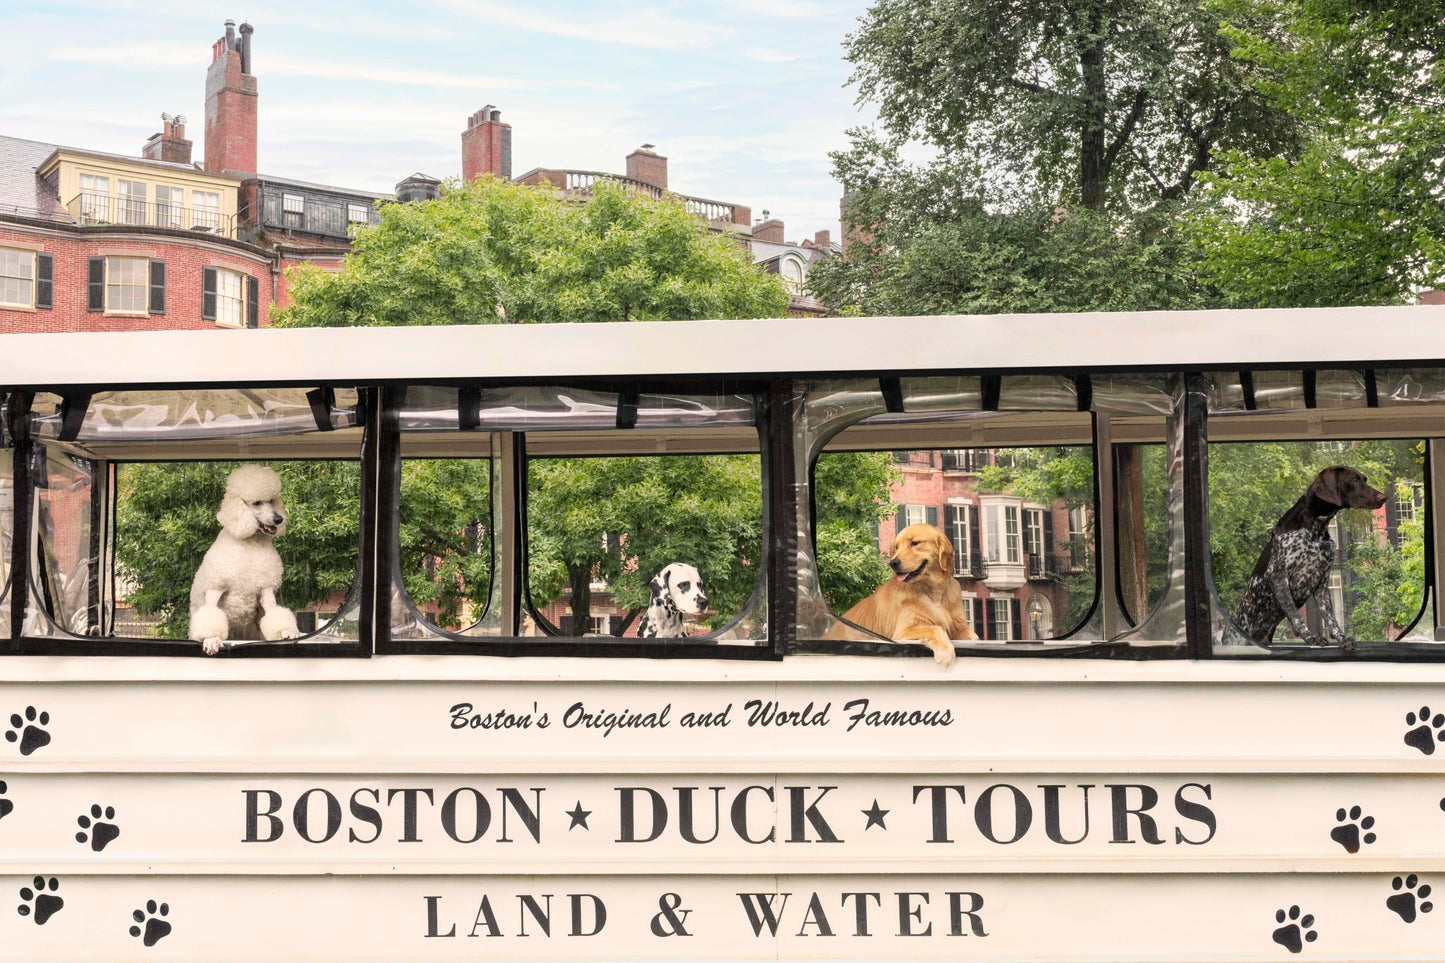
x=962, y=533
x=1008, y=621
x=145, y=286
x=34, y=282
x=240, y=298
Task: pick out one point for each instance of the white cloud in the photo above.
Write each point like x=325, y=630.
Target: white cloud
x=146, y=56
x=635, y=27
x=367, y=70
x=783, y=9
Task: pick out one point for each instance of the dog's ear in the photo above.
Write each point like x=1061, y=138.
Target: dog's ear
x=279, y=508
x=236, y=517
x=945, y=553
x=659, y=583
x=1328, y=484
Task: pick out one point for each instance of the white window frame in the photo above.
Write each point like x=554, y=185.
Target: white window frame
x=11, y=261
x=914, y=515
x=598, y=624
x=994, y=605
x=170, y=206
x=1013, y=542
x=206, y=210
x=1408, y=501
x=117, y=289
x=958, y=516
x=358, y=213
x=230, y=307
x=1033, y=519
x=94, y=198
x=992, y=530
x=130, y=201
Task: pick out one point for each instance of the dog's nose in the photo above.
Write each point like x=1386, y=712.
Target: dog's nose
x=702, y=602
x=895, y=564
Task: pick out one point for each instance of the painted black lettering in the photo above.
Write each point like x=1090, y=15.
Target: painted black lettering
x=907, y=913
x=432, y=923
x=685, y=813
x=860, y=910
x=815, y=917
x=485, y=917
x=408, y=811
x=983, y=813
x=300, y=815
x=956, y=913
x=481, y=818
x=1198, y=812
x=1053, y=819
x=599, y=914
x=740, y=815
x=760, y=912
x=254, y=815
x=1119, y=795
x=938, y=801
x=530, y=816
x=529, y=905
x=366, y=814
x=811, y=814
x=628, y=832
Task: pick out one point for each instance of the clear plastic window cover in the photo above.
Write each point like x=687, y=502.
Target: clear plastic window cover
x=435, y=408
x=824, y=408
x=144, y=415
x=409, y=622
x=1334, y=388
x=1141, y=394
x=63, y=533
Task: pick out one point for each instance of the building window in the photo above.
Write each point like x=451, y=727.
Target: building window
x=357, y=214
x=991, y=532
x=1000, y=620
x=127, y=280
x=230, y=299
x=17, y=279
x=598, y=624
x=94, y=198
x=1409, y=497
x=1011, y=533
x=792, y=273
x=170, y=206
x=959, y=535
x=293, y=207
x=914, y=515
x=206, y=210
x=1034, y=539
x=130, y=202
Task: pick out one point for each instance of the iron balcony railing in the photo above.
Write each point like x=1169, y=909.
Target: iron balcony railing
x=91, y=208
x=970, y=566
x=582, y=182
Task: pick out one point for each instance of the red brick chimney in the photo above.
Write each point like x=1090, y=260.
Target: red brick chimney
x=647, y=166
x=487, y=145
x=824, y=240
x=769, y=231
x=231, y=104
x=170, y=144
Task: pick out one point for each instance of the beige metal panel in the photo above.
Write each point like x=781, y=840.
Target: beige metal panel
x=902, y=917
x=1154, y=340
x=463, y=727
x=705, y=823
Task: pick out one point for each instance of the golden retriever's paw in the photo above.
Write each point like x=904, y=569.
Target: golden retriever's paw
x=212, y=645
x=943, y=653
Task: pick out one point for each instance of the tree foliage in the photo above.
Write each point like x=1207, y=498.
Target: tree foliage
x=493, y=252
x=850, y=498
x=1357, y=216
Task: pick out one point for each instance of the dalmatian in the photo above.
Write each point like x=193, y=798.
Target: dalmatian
x=677, y=593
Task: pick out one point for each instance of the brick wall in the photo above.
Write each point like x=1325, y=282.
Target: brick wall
x=184, y=259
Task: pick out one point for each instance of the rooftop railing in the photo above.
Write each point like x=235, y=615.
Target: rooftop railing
x=91, y=208
x=582, y=182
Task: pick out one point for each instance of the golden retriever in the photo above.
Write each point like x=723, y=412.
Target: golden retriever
x=923, y=601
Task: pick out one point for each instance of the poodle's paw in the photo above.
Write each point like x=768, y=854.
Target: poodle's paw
x=212, y=645
x=278, y=624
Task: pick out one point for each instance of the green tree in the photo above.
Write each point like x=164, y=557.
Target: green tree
x=850, y=497
x=493, y=252
x=1356, y=216
x=1061, y=139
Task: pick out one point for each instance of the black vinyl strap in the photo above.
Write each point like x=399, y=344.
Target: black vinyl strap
x=1310, y=379
x=72, y=415
x=627, y=400
x=321, y=401
x=989, y=388
x=1084, y=391
x=1246, y=384
x=469, y=408
x=892, y=389
x=1372, y=389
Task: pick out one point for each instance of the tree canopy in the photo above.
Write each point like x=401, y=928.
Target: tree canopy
x=493, y=252
x=1357, y=216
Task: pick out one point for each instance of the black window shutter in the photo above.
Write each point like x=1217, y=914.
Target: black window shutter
x=614, y=622
x=1016, y=613
x=253, y=299
x=985, y=619
x=95, y=285
x=930, y=515
x=208, y=294
x=565, y=624
x=45, y=280
x=158, y=287
x=975, y=536
x=950, y=528
x=900, y=519
x=979, y=628
x=1047, y=518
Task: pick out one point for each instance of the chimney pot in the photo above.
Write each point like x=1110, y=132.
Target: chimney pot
x=487, y=145
x=648, y=167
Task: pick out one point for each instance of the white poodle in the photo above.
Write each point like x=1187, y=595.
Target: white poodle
x=234, y=593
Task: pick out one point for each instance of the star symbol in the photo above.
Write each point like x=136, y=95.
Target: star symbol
x=875, y=816
x=579, y=817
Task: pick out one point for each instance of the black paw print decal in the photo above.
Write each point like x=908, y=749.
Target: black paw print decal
x=6, y=806
x=155, y=929
x=29, y=731
x=1347, y=834
x=44, y=905
x=95, y=832
x=1295, y=930
x=1410, y=897
x=1429, y=731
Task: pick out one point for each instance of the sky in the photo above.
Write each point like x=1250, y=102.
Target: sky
x=744, y=97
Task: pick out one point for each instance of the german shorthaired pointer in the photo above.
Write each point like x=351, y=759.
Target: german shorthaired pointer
x=1295, y=565
x=676, y=591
